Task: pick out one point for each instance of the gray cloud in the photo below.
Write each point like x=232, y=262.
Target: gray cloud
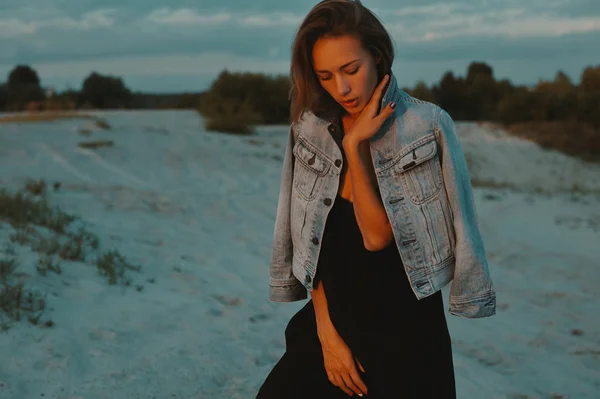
x=429, y=34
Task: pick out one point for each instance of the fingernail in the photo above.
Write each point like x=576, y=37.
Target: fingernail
x=393, y=105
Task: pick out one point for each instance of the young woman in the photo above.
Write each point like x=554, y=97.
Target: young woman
x=375, y=217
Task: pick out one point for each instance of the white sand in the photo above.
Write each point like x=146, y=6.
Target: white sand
x=196, y=210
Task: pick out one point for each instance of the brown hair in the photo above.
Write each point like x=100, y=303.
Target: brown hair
x=333, y=18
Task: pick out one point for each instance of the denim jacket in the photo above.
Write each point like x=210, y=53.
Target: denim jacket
x=425, y=188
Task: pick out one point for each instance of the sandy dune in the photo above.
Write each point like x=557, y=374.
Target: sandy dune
x=196, y=210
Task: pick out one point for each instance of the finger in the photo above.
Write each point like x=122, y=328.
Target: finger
x=382, y=84
x=376, y=97
x=379, y=90
x=359, y=365
x=331, y=377
x=386, y=112
x=350, y=383
x=358, y=384
x=339, y=382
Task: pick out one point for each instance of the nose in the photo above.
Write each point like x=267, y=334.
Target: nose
x=342, y=86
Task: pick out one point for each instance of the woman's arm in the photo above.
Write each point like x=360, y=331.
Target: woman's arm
x=339, y=361
x=368, y=208
x=321, y=310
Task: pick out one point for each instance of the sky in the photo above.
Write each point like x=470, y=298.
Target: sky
x=182, y=45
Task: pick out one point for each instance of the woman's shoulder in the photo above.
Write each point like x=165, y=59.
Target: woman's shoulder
x=309, y=121
x=417, y=107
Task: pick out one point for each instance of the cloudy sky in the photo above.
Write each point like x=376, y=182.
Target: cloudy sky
x=179, y=45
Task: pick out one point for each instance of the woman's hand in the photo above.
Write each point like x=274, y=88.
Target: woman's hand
x=340, y=363
x=369, y=122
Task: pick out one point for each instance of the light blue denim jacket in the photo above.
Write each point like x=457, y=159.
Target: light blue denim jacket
x=426, y=191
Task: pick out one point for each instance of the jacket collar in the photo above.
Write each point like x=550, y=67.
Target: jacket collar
x=326, y=132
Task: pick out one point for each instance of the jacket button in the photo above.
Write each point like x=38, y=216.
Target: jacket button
x=308, y=278
x=315, y=240
x=327, y=201
x=331, y=128
x=338, y=162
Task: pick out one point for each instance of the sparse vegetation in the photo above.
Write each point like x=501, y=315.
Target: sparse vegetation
x=574, y=138
x=51, y=116
x=48, y=263
x=16, y=301
x=114, y=266
x=45, y=116
x=102, y=124
x=50, y=233
x=96, y=144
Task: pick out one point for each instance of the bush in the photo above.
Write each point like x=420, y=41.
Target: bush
x=237, y=101
x=231, y=116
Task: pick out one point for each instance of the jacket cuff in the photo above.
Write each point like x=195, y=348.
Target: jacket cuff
x=287, y=293
x=474, y=308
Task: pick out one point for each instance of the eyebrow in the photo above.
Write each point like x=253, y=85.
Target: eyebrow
x=342, y=67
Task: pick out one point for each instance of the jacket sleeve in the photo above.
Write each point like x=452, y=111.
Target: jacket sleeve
x=472, y=293
x=283, y=285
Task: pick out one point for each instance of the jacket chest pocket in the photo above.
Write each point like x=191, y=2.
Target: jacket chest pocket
x=309, y=169
x=420, y=170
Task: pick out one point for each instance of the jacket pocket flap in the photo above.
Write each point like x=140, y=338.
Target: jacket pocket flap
x=310, y=158
x=416, y=154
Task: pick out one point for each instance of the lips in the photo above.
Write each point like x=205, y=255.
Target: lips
x=351, y=102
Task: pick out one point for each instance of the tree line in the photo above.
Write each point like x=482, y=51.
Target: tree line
x=237, y=101
x=23, y=92
x=479, y=96
x=257, y=98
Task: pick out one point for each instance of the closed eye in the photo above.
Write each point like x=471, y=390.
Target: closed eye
x=352, y=72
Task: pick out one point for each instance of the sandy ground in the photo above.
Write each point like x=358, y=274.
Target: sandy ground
x=196, y=210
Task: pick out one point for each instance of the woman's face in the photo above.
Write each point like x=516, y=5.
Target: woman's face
x=346, y=71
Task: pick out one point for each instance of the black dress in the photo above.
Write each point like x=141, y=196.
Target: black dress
x=403, y=343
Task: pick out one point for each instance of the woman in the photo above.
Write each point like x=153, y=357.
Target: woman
x=375, y=216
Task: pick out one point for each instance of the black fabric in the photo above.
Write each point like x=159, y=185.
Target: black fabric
x=403, y=343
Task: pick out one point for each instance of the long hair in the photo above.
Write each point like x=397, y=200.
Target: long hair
x=333, y=18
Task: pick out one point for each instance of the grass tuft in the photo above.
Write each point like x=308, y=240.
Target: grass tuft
x=96, y=144
x=49, y=232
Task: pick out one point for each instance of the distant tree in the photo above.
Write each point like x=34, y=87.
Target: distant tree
x=249, y=98
x=23, y=87
x=22, y=75
x=104, y=91
x=590, y=79
x=422, y=92
x=561, y=85
x=477, y=69
x=562, y=82
x=452, y=95
x=3, y=96
x=557, y=99
x=520, y=106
